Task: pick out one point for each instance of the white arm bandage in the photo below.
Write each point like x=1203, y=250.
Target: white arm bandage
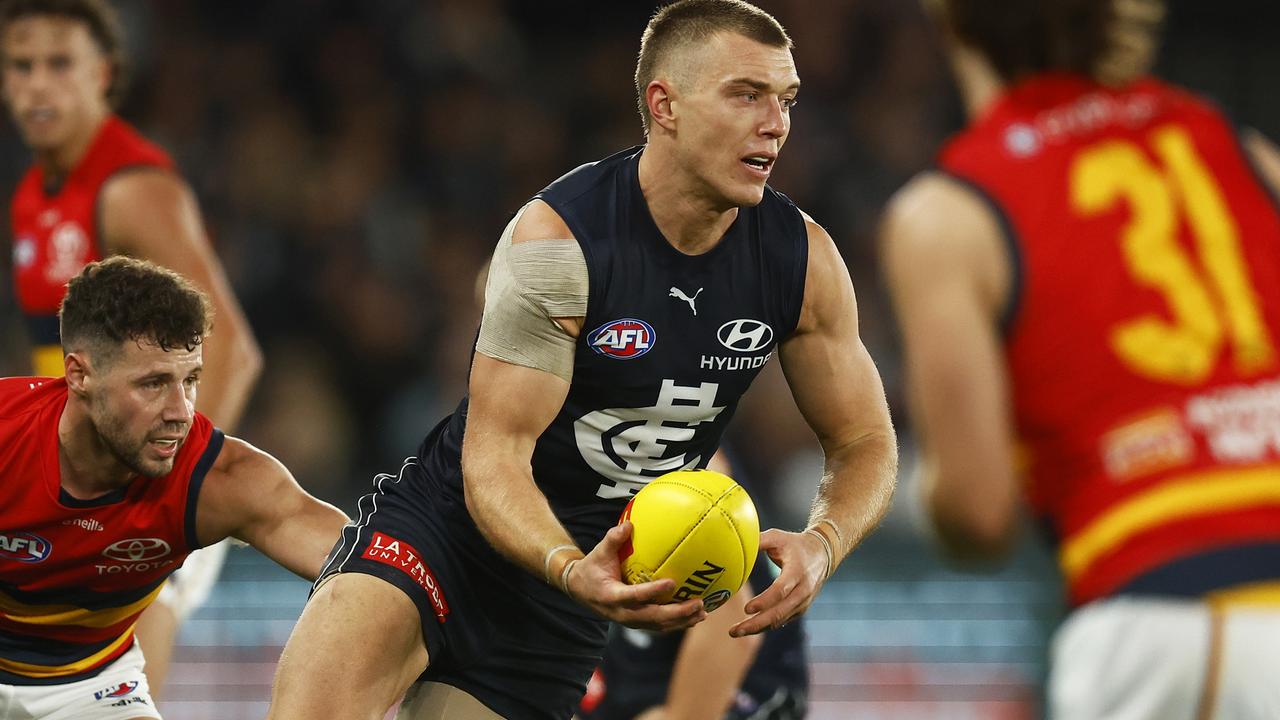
x=531, y=283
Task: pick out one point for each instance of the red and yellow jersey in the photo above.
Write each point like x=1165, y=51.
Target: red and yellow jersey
x=56, y=230
x=75, y=574
x=1142, y=342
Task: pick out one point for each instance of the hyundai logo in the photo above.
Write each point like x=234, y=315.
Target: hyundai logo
x=745, y=335
x=137, y=549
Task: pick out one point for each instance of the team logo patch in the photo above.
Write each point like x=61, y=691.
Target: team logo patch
x=137, y=549
x=625, y=339
x=24, y=547
x=404, y=557
x=745, y=335
x=117, y=691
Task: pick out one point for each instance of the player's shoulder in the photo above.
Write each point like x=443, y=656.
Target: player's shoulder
x=22, y=396
x=581, y=182
x=937, y=220
x=240, y=468
x=540, y=221
x=935, y=205
x=129, y=147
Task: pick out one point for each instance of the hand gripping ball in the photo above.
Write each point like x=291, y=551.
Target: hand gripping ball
x=698, y=528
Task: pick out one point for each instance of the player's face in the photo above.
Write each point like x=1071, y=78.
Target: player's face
x=736, y=115
x=55, y=79
x=143, y=402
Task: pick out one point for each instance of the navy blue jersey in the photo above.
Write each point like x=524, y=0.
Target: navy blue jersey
x=669, y=344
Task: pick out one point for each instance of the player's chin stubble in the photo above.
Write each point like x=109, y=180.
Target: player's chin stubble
x=128, y=451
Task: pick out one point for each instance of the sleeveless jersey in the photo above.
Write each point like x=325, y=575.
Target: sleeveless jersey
x=1142, y=339
x=56, y=230
x=75, y=574
x=669, y=344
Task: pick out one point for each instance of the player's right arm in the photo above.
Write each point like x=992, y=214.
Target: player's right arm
x=510, y=406
x=251, y=496
x=153, y=214
x=949, y=276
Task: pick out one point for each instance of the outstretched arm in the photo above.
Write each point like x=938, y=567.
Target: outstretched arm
x=153, y=215
x=950, y=281
x=839, y=392
x=251, y=496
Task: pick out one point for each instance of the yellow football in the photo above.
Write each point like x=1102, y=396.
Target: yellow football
x=698, y=528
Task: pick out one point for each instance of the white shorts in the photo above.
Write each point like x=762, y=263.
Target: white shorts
x=119, y=692
x=1147, y=659
x=189, y=586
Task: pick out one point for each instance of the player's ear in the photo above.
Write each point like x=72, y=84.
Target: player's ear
x=78, y=369
x=106, y=72
x=659, y=97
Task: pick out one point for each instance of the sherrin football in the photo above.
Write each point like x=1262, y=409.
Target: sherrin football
x=698, y=528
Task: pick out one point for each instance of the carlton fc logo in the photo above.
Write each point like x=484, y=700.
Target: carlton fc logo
x=137, y=549
x=625, y=339
x=745, y=335
x=24, y=547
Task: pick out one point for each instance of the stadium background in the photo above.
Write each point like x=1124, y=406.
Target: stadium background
x=356, y=162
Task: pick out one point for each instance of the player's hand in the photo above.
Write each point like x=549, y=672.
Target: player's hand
x=654, y=713
x=596, y=581
x=804, y=565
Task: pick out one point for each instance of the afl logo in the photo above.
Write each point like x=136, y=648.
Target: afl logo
x=625, y=339
x=137, y=549
x=24, y=547
x=745, y=335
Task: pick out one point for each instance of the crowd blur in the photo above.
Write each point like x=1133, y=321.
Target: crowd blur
x=356, y=163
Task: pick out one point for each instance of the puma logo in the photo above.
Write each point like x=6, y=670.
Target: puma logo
x=678, y=293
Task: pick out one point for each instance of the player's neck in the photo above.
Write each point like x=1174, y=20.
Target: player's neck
x=58, y=162
x=979, y=82
x=687, y=218
x=87, y=468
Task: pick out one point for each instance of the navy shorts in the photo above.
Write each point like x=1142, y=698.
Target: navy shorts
x=522, y=648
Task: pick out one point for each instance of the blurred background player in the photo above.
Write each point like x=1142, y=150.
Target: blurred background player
x=97, y=188
x=108, y=479
x=703, y=672
x=1090, y=284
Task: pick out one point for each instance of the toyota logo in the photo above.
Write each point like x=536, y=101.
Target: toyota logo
x=137, y=549
x=745, y=335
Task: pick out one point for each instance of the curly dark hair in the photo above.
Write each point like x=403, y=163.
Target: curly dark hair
x=97, y=15
x=123, y=298
x=1090, y=37
x=688, y=21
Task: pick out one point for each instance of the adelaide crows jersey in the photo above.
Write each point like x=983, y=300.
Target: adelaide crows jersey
x=669, y=344
x=1143, y=347
x=57, y=230
x=76, y=574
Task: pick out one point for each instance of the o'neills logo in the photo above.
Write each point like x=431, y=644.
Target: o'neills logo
x=401, y=555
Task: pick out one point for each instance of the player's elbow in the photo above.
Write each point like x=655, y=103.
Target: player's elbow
x=979, y=541
x=473, y=472
x=981, y=531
